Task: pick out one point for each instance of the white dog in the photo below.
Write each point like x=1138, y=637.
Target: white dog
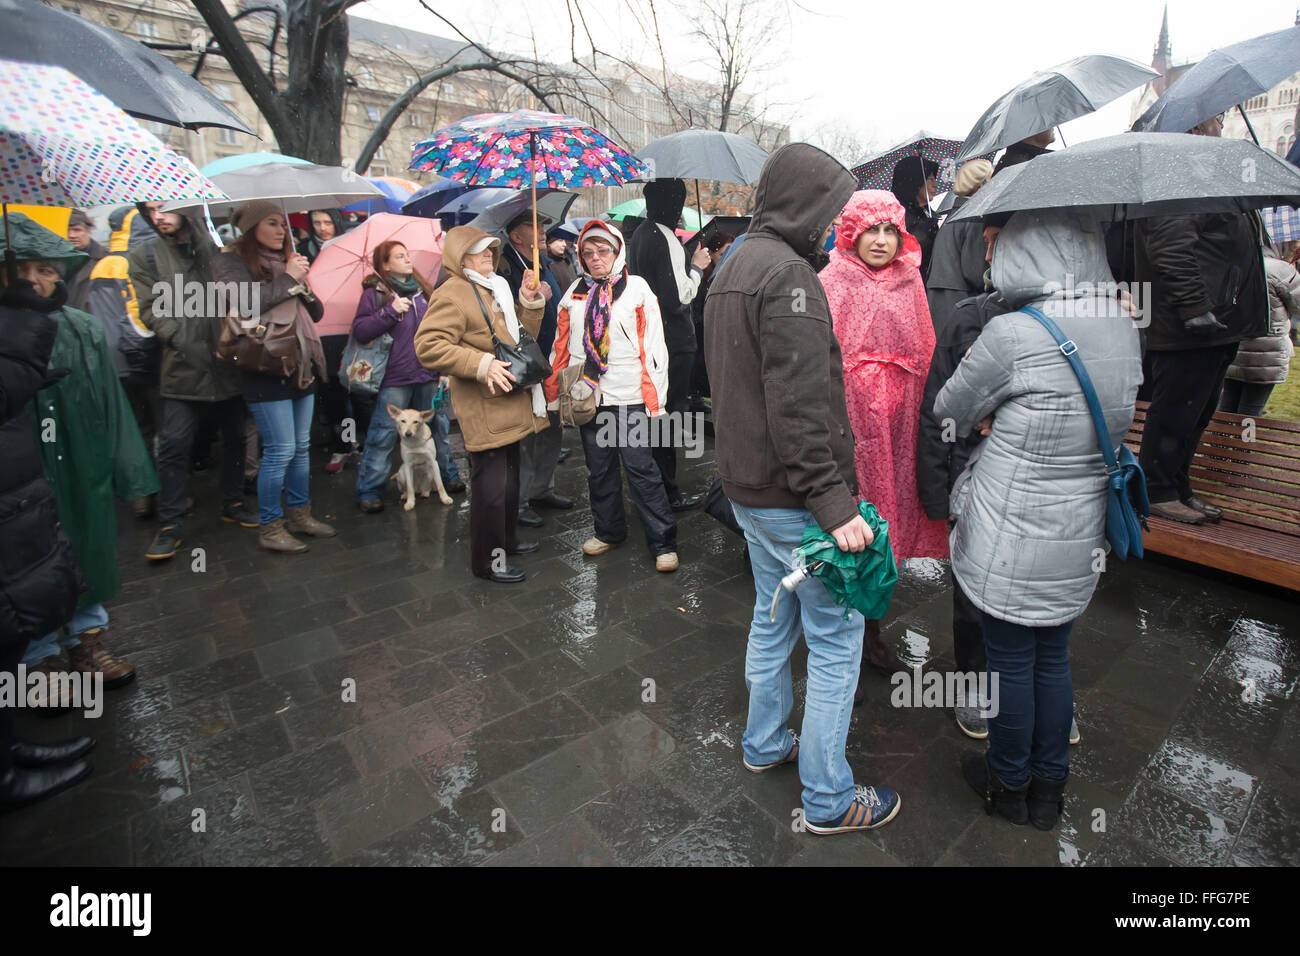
x=419, y=471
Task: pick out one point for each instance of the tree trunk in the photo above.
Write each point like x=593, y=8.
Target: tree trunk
x=313, y=99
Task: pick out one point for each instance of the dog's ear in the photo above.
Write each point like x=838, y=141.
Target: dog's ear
x=427, y=415
x=394, y=412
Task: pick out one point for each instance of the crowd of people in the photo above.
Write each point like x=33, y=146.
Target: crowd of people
x=852, y=347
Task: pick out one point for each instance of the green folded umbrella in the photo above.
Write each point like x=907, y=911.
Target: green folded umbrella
x=863, y=580
x=636, y=207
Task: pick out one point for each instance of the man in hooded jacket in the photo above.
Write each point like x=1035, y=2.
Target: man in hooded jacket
x=655, y=254
x=785, y=456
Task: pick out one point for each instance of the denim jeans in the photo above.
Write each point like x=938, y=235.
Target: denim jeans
x=1031, y=732
x=47, y=646
x=381, y=458
x=286, y=445
x=834, y=653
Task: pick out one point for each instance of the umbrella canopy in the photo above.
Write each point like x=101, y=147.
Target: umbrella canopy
x=862, y=580
x=493, y=216
x=394, y=195
x=704, y=154
x=524, y=148
x=31, y=240
x=335, y=277
x=428, y=199
x=296, y=187
x=570, y=229
x=1052, y=97
x=229, y=164
x=1135, y=175
x=877, y=172
x=141, y=82
x=1226, y=78
x=64, y=144
x=635, y=208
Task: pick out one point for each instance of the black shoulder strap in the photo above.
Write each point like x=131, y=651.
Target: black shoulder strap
x=486, y=318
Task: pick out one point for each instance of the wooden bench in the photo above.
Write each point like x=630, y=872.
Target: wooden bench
x=1256, y=483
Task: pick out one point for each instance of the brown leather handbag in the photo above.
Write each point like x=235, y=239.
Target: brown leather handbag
x=577, y=399
x=266, y=343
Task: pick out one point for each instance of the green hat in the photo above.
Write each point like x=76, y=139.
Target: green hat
x=31, y=240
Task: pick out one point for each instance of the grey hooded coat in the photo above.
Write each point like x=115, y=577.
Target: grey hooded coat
x=1031, y=504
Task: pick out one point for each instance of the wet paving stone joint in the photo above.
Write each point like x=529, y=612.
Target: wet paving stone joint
x=372, y=703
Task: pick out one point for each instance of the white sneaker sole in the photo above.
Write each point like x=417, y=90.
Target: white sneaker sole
x=828, y=831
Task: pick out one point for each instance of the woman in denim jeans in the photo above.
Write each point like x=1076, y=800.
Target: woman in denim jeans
x=394, y=300
x=281, y=405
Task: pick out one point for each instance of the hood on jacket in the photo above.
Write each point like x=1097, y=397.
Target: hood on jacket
x=799, y=194
x=664, y=201
x=32, y=241
x=865, y=208
x=459, y=241
x=607, y=230
x=335, y=216
x=1050, y=254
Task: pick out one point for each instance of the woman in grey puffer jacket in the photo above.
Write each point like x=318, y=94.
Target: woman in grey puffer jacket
x=1030, y=507
x=1264, y=362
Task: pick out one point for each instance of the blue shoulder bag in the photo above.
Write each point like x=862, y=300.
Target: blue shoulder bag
x=1127, y=506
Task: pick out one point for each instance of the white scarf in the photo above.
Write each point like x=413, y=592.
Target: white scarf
x=504, y=303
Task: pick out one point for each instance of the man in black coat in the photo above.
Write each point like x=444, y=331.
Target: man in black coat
x=40, y=578
x=1207, y=293
x=655, y=254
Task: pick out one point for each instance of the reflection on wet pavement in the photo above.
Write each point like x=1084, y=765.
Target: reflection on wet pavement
x=371, y=703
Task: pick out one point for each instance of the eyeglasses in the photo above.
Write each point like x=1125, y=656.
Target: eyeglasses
x=599, y=252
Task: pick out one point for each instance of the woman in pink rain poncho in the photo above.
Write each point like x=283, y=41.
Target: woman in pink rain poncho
x=878, y=305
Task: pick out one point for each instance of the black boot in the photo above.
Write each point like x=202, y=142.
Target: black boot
x=1046, y=801
x=19, y=786
x=46, y=755
x=998, y=797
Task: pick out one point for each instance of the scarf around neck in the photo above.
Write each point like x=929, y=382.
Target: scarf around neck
x=595, y=325
x=405, y=286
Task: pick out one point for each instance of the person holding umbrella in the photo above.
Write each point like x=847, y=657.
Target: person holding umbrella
x=456, y=338
x=281, y=404
x=914, y=184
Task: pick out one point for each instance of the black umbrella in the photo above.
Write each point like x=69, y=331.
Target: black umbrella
x=1226, y=78
x=1136, y=175
x=143, y=83
x=1052, y=97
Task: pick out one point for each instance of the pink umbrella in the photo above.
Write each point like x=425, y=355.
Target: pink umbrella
x=336, y=275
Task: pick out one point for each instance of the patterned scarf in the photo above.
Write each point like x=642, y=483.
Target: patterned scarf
x=595, y=326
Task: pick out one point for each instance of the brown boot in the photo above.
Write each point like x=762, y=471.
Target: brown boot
x=300, y=521
x=876, y=654
x=274, y=536
x=50, y=694
x=93, y=656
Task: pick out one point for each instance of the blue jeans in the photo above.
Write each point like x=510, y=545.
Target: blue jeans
x=381, y=458
x=286, y=442
x=834, y=653
x=1031, y=732
x=47, y=646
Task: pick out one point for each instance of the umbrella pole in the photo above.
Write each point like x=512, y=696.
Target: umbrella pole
x=1061, y=137
x=11, y=258
x=532, y=153
x=1249, y=128
x=699, y=208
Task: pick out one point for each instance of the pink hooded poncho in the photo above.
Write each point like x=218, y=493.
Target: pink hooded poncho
x=885, y=333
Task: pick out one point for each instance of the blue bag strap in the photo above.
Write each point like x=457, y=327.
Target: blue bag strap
x=1071, y=353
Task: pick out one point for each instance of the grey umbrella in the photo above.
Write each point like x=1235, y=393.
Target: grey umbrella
x=705, y=154
x=143, y=83
x=295, y=187
x=1136, y=175
x=552, y=204
x=1226, y=78
x=1052, y=97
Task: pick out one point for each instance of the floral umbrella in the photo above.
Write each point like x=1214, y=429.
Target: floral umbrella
x=64, y=144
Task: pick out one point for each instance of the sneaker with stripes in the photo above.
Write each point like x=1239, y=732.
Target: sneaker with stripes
x=791, y=757
x=871, y=807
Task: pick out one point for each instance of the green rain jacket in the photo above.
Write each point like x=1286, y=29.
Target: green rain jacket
x=90, y=447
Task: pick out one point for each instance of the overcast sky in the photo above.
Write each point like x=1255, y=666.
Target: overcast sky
x=881, y=70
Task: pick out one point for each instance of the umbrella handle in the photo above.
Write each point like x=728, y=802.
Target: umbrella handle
x=788, y=584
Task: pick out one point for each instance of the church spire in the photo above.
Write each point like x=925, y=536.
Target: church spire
x=1164, y=52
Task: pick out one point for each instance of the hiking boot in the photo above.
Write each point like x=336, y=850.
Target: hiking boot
x=594, y=546
x=666, y=562
x=300, y=521
x=1212, y=514
x=1045, y=801
x=1177, y=511
x=49, y=695
x=998, y=798
x=791, y=757
x=275, y=537
x=165, y=543
x=92, y=656
x=20, y=787
x=237, y=513
x=878, y=655
x=871, y=807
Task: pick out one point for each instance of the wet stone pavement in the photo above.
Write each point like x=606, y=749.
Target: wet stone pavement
x=508, y=725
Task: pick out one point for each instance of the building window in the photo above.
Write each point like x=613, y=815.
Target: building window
x=372, y=113
x=416, y=120
x=147, y=28
x=379, y=153
x=377, y=169
x=227, y=137
x=223, y=92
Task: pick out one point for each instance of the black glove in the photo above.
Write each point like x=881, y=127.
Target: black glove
x=1205, y=324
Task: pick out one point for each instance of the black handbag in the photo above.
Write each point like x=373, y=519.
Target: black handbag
x=527, y=363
